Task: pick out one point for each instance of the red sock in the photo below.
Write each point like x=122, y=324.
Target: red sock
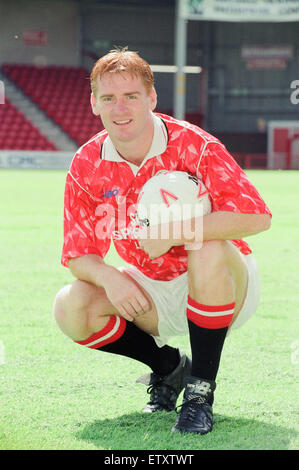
x=208, y=316
x=126, y=339
x=110, y=333
x=207, y=328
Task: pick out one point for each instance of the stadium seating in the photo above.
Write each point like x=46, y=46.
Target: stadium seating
x=63, y=93
x=18, y=133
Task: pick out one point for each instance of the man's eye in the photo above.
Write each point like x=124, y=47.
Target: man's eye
x=132, y=97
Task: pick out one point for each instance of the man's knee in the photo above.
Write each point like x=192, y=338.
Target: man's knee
x=71, y=305
x=75, y=296
x=213, y=252
x=212, y=257
x=209, y=269
x=217, y=272
x=58, y=304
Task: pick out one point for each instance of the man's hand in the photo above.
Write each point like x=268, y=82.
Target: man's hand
x=154, y=241
x=125, y=295
x=155, y=248
x=121, y=290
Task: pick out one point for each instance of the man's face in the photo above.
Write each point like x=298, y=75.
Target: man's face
x=124, y=105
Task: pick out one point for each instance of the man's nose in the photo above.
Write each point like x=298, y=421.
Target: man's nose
x=120, y=106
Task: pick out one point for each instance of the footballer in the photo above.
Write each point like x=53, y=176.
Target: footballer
x=165, y=289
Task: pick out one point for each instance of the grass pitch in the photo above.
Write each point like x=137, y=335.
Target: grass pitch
x=55, y=394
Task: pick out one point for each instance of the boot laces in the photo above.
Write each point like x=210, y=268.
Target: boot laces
x=189, y=407
x=160, y=391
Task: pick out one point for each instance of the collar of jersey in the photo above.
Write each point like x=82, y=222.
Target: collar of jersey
x=159, y=145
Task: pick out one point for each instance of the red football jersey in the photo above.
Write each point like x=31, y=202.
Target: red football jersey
x=102, y=189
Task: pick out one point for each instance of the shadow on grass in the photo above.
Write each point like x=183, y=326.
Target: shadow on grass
x=140, y=431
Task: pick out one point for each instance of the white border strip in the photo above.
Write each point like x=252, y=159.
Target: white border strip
x=173, y=69
x=108, y=335
x=35, y=159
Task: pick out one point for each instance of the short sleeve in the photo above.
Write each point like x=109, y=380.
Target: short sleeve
x=228, y=185
x=80, y=224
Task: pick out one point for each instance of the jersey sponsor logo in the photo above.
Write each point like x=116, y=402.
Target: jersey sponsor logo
x=129, y=231
x=113, y=221
x=122, y=222
x=110, y=193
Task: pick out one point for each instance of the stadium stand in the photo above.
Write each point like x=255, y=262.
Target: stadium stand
x=63, y=93
x=18, y=133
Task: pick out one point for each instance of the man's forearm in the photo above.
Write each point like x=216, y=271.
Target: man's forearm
x=230, y=225
x=219, y=226
x=90, y=268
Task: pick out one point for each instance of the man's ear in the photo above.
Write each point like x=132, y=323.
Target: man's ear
x=94, y=105
x=153, y=98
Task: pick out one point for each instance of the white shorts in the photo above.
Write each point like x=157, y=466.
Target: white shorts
x=170, y=298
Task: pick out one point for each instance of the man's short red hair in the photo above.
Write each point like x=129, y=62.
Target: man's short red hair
x=122, y=60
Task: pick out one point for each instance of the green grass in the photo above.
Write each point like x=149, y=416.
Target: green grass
x=55, y=394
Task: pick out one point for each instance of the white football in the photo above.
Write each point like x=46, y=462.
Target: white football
x=171, y=196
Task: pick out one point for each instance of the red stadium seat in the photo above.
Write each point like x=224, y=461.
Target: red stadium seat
x=63, y=93
x=17, y=133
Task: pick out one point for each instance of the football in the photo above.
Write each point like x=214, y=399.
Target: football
x=171, y=196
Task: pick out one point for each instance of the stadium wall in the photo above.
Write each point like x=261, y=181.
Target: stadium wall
x=44, y=32
x=242, y=93
x=148, y=29
x=251, y=67
x=43, y=160
x=239, y=97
